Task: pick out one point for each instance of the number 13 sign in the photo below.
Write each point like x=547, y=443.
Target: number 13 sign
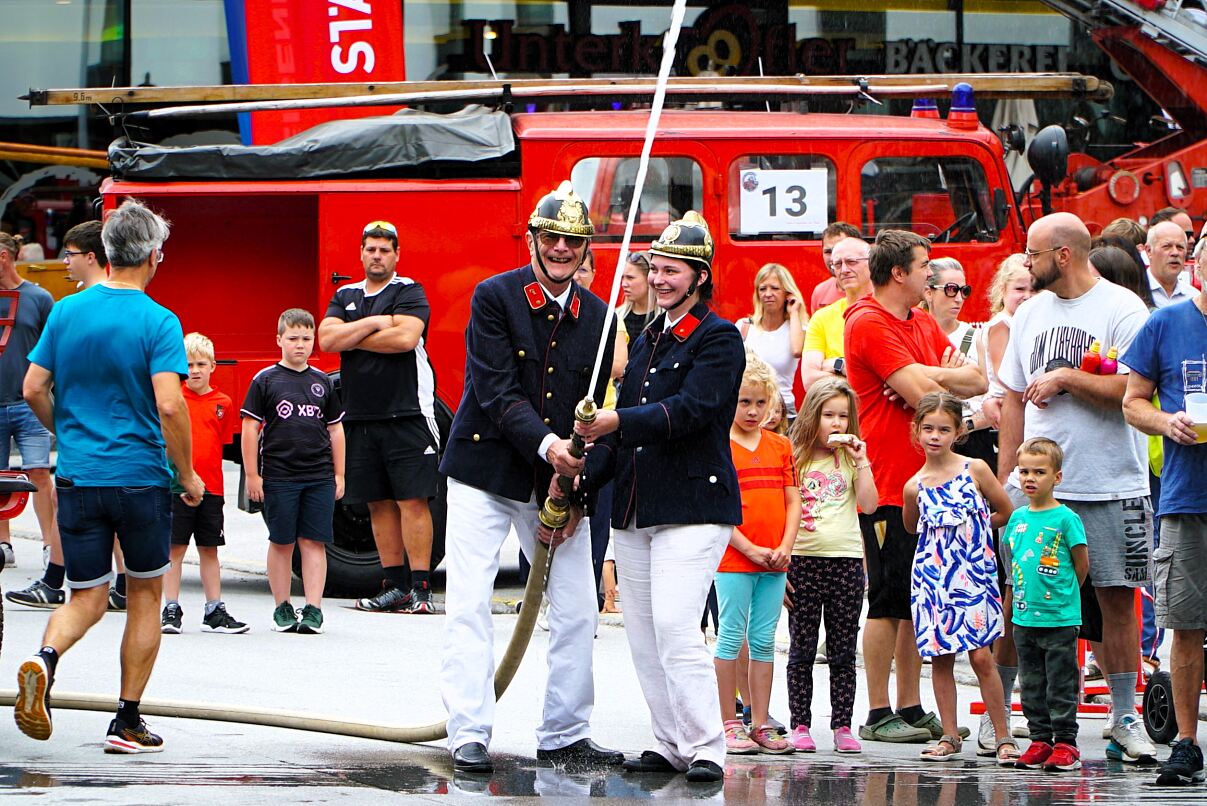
x=783, y=201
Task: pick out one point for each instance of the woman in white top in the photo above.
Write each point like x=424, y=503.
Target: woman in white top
x=776, y=329
x=1011, y=286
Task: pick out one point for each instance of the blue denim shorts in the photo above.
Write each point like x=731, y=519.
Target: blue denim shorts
x=294, y=509
x=18, y=422
x=89, y=517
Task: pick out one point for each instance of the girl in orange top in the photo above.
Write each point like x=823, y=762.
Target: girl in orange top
x=751, y=576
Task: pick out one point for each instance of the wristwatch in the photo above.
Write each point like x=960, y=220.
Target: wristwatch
x=840, y=366
x=969, y=425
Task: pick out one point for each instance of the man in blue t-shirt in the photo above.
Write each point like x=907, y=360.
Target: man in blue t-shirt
x=1169, y=358
x=115, y=359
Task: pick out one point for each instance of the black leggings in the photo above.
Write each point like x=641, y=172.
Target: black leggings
x=829, y=589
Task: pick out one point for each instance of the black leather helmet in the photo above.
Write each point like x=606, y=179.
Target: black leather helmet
x=686, y=239
x=562, y=211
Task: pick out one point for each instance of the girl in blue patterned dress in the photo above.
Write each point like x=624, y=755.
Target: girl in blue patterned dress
x=954, y=597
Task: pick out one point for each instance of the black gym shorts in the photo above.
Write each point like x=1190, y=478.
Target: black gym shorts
x=390, y=460
x=204, y=522
x=890, y=565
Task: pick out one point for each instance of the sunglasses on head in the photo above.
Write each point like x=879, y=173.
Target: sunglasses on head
x=381, y=225
x=548, y=238
x=951, y=289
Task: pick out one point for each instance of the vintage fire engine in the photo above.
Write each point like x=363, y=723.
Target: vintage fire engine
x=260, y=229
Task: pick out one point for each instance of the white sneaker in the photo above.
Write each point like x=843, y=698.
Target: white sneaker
x=1108, y=725
x=1019, y=728
x=986, y=739
x=1129, y=742
x=7, y=558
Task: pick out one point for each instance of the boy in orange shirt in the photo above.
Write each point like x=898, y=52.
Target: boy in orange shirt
x=208, y=410
x=752, y=574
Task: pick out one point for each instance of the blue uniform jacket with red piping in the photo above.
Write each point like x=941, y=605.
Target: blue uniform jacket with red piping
x=527, y=365
x=671, y=458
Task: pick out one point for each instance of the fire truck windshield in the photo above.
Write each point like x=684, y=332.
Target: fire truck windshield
x=944, y=198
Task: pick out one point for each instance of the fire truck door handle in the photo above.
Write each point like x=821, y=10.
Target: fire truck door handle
x=337, y=278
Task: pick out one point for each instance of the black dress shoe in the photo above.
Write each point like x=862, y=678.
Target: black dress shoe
x=649, y=761
x=472, y=758
x=583, y=752
x=704, y=772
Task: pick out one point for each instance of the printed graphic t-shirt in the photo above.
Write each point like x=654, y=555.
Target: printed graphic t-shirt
x=829, y=522
x=296, y=408
x=1037, y=549
x=762, y=476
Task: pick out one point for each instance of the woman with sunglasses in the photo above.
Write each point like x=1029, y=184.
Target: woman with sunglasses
x=676, y=500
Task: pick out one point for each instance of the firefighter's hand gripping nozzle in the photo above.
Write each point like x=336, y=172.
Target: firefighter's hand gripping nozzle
x=555, y=513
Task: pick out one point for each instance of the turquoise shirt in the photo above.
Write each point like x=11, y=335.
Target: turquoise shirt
x=1037, y=548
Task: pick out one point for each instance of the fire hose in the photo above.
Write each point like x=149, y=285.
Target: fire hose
x=554, y=514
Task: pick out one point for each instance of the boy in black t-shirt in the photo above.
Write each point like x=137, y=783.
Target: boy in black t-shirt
x=293, y=455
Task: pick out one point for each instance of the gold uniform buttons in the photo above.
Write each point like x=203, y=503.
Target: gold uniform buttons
x=550, y=370
x=549, y=395
x=549, y=317
x=477, y=437
x=520, y=353
x=546, y=421
x=553, y=344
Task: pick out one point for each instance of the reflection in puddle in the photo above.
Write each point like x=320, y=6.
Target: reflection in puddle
x=747, y=781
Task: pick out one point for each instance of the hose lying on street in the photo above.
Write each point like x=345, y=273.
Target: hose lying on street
x=534, y=591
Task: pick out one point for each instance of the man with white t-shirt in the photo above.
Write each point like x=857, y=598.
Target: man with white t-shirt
x=1105, y=478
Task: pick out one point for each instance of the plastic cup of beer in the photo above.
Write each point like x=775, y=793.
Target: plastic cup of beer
x=1196, y=408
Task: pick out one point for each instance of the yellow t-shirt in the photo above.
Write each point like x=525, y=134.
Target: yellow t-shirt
x=825, y=330
x=829, y=522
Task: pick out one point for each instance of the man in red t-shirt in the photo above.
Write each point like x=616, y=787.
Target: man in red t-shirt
x=896, y=354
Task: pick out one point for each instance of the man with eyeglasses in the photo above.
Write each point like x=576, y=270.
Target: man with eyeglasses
x=84, y=254
x=379, y=327
x=823, y=350
x=530, y=349
x=1105, y=479
x=896, y=354
x=828, y=291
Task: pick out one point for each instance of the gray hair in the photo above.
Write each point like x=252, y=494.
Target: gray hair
x=131, y=233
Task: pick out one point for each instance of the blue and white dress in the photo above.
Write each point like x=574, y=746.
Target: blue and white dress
x=954, y=595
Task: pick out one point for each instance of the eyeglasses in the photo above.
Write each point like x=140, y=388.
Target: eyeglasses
x=383, y=225
x=68, y=254
x=548, y=238
x=849, y=262
x=1031, y=253
x=951, y=289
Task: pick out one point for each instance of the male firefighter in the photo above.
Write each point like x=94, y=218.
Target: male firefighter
x=530, y=349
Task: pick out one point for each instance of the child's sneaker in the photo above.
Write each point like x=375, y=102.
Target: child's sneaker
x=1035, y=757
x=844, y=742
x=769, y=741
x=220, y=621
x=284, y=618
x=737, y=742
x=122, y=738
x=32, y=711
x=311, y=622
x=117, y=601
x=172, y=620
x=1064, y=757
x=802, y=741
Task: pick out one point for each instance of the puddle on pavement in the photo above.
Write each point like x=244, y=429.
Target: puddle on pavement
x=822, y=781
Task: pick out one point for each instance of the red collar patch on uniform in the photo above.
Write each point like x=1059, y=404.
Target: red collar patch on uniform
x=574, y=304
x=687, y=325
x=535, y=295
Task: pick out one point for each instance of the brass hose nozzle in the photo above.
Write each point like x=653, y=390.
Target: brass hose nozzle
x=555, y=513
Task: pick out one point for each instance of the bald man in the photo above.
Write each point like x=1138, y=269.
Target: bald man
x=1166, y=249
x=1105, y=480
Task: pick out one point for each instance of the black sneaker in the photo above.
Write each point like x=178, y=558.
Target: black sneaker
x=117, y=601
x=390, y=600
x=421, y=599
x=38, y=594
x=1185, y=765
x=220, y=621
x=32, y=709
x=172, y=620
x=122, y=738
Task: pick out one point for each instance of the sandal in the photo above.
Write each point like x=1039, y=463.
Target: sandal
x=1011, y=755
x=936, y=752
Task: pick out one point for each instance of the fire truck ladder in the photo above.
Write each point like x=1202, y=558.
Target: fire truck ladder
x=1178, y=25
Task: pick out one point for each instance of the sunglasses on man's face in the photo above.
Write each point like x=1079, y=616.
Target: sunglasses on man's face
x=550, y=239
x=951, y=289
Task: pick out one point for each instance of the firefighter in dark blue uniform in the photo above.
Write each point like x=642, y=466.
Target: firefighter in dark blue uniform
x=530, y=348
x=676, y=498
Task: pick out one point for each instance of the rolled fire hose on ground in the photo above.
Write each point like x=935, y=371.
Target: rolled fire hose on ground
x=274, y=718
x=538, y=577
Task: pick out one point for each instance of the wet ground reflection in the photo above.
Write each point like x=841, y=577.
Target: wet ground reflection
x=823, y=781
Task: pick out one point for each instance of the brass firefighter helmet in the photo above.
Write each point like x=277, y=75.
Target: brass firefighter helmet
x=686, y=239
x=563, y=212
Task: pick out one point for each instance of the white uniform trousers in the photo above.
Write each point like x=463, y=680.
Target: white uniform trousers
x=665, y=573
x=478, y=522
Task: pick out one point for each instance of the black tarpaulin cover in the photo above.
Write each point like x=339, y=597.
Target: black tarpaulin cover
x=377, y=145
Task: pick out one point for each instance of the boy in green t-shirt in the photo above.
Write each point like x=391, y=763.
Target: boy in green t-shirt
x=1044, y=549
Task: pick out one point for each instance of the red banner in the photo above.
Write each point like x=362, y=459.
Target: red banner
x=305, y=41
